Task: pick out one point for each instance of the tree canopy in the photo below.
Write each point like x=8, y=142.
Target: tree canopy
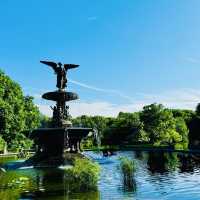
x=154, y=125
x=18, y=114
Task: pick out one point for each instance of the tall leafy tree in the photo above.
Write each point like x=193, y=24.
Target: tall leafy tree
x=160, y=125
x=126, y=128
x=17, y=112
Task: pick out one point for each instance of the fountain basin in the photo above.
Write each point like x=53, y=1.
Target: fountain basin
x=54, y=141
x=58, y=95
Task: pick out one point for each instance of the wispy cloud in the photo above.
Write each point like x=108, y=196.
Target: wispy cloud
x=182, y=99
x=45, y=109
x=110, y=91
x=101, y=108
x=37, y=93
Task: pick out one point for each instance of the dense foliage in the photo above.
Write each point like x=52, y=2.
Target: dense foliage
x=154, y=125
x=18, y=114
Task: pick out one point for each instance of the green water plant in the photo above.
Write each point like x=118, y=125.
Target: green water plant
x=83, y=176
x=127, y=168
x=13, y=184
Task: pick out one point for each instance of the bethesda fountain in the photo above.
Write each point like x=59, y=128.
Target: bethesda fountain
x=54, y=143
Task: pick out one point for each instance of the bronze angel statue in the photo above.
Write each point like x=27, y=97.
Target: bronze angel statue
x=60, y=72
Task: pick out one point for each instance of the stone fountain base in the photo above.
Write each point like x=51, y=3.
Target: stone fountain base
x=42, y=161
x=54, y=146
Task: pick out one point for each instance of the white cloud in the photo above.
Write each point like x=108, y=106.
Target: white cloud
x=45, y=109
x=183, y=99
x=110, y=91
x=94, y=108
x=101, y=108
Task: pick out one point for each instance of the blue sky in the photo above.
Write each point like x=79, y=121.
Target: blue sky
x=131, y=52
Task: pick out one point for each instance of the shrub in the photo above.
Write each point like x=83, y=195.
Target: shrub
x=21, y=143
x=83, y=176
x=181, y=146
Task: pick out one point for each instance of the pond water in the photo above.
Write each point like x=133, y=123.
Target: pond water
x=158, y=175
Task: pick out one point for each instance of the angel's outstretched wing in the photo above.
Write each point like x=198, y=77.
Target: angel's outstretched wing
x=70, y=66
x=51, y=64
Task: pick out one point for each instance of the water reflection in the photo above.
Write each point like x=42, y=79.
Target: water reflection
x=159, y=175
x=140, y=155
x=131, y=187
x=39, y=184
x=52, y=183
x=161, y=162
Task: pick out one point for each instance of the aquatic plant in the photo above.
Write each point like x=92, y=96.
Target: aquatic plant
x=127, y=167
x=83, y=176
x=12, y=184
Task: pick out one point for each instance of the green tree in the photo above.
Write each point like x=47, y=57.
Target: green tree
x=18, y=113
x=45, y=122
x=96, y=122
x=126, y=128
x=31, y=114
x=186, y=115
x=159, y=124
x=182, y=129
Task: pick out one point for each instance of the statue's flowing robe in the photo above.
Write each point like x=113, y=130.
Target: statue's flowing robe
x=61, y=77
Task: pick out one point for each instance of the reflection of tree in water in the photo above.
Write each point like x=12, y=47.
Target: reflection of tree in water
x=172, y=161
x=186, y=163
x=189, y=162
x=51, y=184
x=140, y=155
x=161, y=162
